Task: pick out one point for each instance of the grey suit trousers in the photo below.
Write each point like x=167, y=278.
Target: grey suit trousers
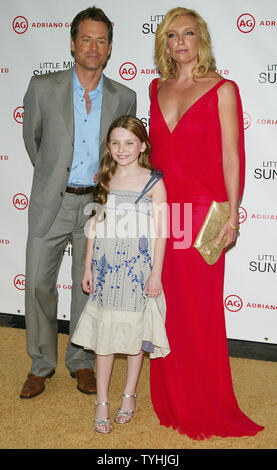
x=43, y=259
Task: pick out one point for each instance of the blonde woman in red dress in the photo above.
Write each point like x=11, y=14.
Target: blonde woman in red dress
x=196, y=131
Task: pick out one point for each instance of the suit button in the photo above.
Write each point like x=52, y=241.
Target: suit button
x=61, y=194
x=68, y=169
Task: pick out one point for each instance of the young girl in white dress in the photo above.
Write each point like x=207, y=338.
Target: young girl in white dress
x=125, y=312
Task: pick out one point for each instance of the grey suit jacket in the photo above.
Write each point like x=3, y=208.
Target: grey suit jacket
x=48, y=132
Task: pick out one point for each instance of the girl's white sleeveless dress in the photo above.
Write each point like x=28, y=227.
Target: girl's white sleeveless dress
x=119, y=317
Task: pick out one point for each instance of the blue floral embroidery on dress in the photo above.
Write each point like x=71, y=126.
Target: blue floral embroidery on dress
x=102, y=268
x=143, y=244
x=143, y=248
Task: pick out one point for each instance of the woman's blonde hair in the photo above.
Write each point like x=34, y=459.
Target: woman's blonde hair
x=108, y=165
x=165, y=64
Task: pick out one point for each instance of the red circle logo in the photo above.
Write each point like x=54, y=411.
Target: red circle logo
x=242, y=215
x=246, y=23
x=18, y=114
x=233, y=303
x=20, y=24
x=128, y=71
x=20, y=201
x=246, y=120
x=19, y=282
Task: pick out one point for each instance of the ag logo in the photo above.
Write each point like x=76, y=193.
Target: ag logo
x=20, y=25
x=18, y=114
x=128, y=71
x=19, y=282
x=20, y=201
x=246, y=120
x=242, y=215
x=233, y=303
x=246, y=23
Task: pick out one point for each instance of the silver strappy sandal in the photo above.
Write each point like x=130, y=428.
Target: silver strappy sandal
x=102, y=425
x=122, y=416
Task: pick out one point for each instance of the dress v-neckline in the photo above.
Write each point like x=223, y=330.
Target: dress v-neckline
x=189, y=108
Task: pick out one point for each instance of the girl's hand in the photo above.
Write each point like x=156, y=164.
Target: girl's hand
x=229, y=231
x=95, y=178
x=153, y=286
x=87, y=281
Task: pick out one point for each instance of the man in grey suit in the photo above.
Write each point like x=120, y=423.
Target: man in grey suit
x=66, y=118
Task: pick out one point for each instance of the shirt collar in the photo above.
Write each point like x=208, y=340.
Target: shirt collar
x=77, y=85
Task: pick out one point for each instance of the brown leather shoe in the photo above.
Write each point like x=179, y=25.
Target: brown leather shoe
x=86, y=380
x=34, y=385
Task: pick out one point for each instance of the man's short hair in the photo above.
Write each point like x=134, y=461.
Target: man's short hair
x=92, y=13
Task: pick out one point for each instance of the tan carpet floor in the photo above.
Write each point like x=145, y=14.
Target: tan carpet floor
x=62, y=417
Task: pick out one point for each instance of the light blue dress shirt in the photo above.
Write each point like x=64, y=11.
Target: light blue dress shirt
x=85, y=161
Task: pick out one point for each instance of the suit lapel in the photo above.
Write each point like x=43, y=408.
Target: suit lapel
x=109, y=106
x=64, y=95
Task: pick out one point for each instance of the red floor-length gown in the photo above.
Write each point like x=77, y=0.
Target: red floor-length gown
x=191, y=389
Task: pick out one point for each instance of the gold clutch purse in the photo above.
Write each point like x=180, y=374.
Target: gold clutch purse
x=216, y=217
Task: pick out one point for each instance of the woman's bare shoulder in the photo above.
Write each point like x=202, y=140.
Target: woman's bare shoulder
x=227, y=90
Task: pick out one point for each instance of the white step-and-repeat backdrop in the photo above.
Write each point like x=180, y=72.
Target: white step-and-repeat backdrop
x=34, y=37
